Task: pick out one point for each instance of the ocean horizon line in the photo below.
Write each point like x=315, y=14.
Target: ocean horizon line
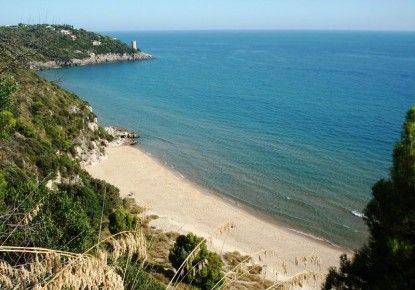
x=257, y=30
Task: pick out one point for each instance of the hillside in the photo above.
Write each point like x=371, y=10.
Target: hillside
x=47, y=201
x=47, y=46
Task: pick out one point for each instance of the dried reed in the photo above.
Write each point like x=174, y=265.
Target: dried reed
x=53, y=269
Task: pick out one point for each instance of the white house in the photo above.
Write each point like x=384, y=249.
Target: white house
x=66, y=32
x=96, y=43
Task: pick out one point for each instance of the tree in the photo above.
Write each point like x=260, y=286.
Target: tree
x=387, y=260
x=8, y=86
x=121, y=220
x=204, y=268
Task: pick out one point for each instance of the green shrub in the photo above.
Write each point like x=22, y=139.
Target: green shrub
x=7, y=123
x=135, y=277
x=121, y=220
x=47, y=163
x=8, y=86
x=66, y=223
x=206, y=266
x=58, y=138
x=3, y=184
x=25, y=128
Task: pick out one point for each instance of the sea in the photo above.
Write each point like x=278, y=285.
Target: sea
x=295, y=125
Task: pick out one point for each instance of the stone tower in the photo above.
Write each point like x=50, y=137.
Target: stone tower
x=134, y=44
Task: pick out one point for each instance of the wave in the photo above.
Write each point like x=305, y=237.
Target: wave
x=358, y=214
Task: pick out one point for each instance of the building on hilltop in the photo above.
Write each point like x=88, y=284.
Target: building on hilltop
x=96, y=43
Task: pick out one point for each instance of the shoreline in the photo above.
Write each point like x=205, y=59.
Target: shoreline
x=248, y=208
x=183, y=206
x=93, y=59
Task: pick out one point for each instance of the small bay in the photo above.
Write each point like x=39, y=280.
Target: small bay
x=298, y=125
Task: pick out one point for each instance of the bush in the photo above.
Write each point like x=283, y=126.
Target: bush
x=26, y=128
x=66, y=223
x=7, y=123
x=121, y=220
x=135, y=277
x=205, y=268
x=8, y=86
x=58, y=138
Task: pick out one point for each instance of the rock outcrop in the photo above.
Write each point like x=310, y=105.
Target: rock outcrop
x=88, y=152
x=92, y=59
x=121, y=136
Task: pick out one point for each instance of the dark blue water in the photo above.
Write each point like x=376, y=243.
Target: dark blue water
x=299, y=125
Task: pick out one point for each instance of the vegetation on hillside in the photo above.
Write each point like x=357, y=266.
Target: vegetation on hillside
x=62, y=43
x=195, y=263
x=387, y=260
x=53, y=214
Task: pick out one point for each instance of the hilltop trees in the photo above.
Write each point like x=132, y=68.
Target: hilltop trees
x=387, y=261
x=43, y=42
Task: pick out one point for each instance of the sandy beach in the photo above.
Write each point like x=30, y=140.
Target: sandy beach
x=184, y=207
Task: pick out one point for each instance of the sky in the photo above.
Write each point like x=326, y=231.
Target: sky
x=107, y=15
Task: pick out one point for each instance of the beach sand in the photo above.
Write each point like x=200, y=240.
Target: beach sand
x=185, y=207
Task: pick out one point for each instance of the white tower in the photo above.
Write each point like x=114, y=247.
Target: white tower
x=134, y=45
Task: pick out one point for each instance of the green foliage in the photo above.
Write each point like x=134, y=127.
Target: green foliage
x=207, y=265
x=66, y=220
x=25, y=128
x=3, y=183
x=7, y=123
x=8, y=86
x=121, y=220
x=135, y=278
x=387, y=261
x=62, y=220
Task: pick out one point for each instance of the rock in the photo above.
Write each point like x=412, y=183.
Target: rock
x=121, y=136
x=52, y=183
x=93, y=126
x=73, y=109
x=92, y=59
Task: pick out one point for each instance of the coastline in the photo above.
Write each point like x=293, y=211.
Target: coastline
x=182, y=206
x=92, y=59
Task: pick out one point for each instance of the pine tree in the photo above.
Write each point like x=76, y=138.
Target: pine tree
x=387, y=261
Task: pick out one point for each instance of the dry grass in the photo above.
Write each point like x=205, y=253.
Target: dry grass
x=51, y=269
x=243, y=273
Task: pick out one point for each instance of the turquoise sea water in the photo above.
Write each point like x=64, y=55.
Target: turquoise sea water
x=298, y=125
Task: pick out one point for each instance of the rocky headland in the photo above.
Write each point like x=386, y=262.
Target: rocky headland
x=92, y=59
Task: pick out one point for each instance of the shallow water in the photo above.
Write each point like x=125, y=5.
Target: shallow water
x=297, y=124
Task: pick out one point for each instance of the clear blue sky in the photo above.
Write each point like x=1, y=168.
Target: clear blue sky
x=214, y=14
